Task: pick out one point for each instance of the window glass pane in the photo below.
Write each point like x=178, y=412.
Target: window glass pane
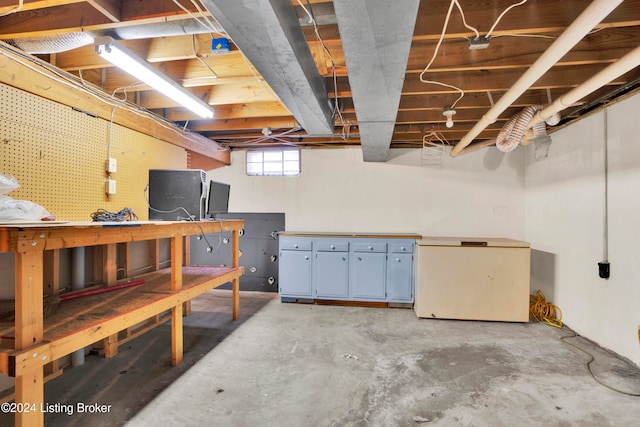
x=271, y=156
x=254, y=168
x=254, y=156
x=291, y=167
x=272, y=168
x=291, y=155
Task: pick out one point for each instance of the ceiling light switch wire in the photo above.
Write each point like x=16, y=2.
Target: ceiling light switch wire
x=435, y=53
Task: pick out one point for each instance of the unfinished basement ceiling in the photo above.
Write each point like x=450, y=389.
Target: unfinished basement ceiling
x=307, y=93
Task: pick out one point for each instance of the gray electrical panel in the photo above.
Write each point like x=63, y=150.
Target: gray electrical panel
x=258, y=244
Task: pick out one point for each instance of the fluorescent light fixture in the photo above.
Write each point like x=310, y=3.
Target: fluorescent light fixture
x=129, y=62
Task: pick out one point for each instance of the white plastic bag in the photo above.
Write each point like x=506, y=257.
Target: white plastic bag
x=18, y=210
x=7, y=183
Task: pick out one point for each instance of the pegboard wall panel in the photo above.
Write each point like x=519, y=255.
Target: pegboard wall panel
x=58, y=156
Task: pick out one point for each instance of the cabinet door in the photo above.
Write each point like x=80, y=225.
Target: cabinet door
x=295, y=273
x=400, y=277
x=331, y=275
x=367, y=274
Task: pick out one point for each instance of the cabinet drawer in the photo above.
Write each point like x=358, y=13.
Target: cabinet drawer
x=332, y=246
x=370, y=247
x=402, y=247
x=295, y=245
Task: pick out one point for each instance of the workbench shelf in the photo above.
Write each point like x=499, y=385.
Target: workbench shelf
x=80, y=322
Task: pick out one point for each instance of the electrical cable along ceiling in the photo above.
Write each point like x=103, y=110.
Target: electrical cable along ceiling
x=372, y=74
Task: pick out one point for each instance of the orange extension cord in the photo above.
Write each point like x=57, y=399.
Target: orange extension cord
x=544, y=311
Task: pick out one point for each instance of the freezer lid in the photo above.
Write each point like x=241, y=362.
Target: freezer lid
x=496, y=242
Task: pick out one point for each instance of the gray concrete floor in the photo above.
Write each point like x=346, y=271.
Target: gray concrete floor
x=311, y=365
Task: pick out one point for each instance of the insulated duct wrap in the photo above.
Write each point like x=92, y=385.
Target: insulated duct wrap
x=514, y=130
x=52, y=44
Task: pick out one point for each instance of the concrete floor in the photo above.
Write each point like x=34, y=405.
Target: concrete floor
x=311, y=365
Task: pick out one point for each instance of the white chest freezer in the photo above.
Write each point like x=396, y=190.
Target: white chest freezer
x=472, y=279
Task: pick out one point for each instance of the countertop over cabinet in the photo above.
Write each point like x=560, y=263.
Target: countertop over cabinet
x=350, y=234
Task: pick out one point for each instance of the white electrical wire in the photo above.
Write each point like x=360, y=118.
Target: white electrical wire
x=435, y=53
x=208, y=24
x=502, y=14
x=336, y=107
x=276, y=137
x=442, y=35
x=205, y=63
x=208, y=17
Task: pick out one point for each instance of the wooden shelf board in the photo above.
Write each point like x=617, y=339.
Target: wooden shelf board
x=80, y=322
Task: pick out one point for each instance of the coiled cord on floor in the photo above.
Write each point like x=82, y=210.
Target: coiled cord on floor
x=544, y=311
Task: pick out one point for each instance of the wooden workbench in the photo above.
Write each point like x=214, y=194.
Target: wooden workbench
x=79, y=323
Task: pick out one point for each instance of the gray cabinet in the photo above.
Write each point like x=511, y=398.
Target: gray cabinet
x=331, y=274
x=295, y=273
x=346, y=268
x=400, y=277
x=368, y=281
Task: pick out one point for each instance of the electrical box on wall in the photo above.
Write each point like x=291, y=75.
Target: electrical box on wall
x=110, y=165
x=110, y=186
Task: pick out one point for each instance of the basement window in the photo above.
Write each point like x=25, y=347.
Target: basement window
x=283, y=162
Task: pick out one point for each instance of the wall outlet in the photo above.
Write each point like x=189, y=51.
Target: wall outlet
x=110, y=165
x=110, y=186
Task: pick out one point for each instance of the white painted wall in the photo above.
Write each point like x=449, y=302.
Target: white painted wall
x=564, y=224
x=558, y=207
x=480, y=194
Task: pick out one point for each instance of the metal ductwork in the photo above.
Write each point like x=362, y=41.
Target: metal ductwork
x=64, y=42
x=268, y=33
x=376, y=38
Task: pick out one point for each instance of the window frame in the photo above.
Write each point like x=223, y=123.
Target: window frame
x=268, y=163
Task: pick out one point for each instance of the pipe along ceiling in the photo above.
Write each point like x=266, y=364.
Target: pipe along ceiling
x=584, y=23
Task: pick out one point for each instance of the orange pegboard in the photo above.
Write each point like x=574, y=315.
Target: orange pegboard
x=58, y=156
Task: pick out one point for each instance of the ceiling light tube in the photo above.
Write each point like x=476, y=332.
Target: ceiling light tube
x=123, y=58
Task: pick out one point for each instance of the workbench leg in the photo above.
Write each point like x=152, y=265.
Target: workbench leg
x=176, y=335
x=110, y=345
x=29, y=389
x=235, y=286
x=235, y=283
x=29, y=386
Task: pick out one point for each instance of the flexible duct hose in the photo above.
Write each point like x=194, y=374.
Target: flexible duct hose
x=512, y=132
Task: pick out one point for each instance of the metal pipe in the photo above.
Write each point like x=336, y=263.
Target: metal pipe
x=584, y=23
x=77, y=283
x=605, y=237
x=618, y=68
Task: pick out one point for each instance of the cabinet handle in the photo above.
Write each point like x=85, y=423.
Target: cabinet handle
x=344, y=259
x=402, y=248
x=359, y=259
x=333, y=246
x=306, y=257
x=370, y=248
x=295, y=246
x=397, y=259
